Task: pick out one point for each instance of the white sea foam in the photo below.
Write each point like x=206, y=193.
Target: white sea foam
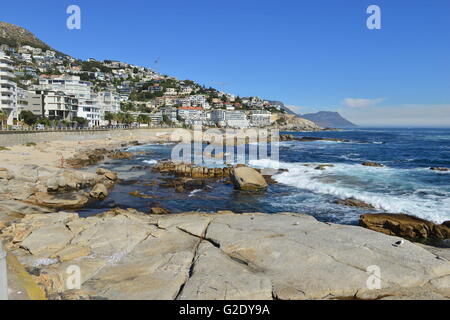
x=388, y=189
x=194, y=192
x=150, y=161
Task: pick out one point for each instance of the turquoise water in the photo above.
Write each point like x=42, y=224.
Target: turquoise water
x=404, y=185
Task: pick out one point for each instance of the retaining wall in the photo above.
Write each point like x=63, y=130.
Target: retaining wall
x=14, y=138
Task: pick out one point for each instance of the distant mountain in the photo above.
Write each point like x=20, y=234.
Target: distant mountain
x=15, y=36
x=328, y=119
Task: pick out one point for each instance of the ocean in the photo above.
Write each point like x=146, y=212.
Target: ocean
x=404, y=185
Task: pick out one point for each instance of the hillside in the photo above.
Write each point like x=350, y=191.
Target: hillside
x=281, y=104
x=328, y=119
x=289, y=122
x=15, y=36
x=142, y=87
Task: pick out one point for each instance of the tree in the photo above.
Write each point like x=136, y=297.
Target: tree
x=166, y=119
x=124, y=118
x=128, y=118
x=281, y=121
x=2, y=117
x=28, y=117
x=109, y=117
x=142, y=118
x=127, y=106
x=44, y=121
x=82, y=122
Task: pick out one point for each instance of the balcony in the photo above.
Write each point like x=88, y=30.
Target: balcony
x=6, y=105
x=6, y=74
x=7, y=82
x=5, y=64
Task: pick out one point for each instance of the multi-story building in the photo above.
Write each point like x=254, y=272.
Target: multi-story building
x=89, y=109
x=236, y=119
x=170, y=92
x=70, y=85
x=218, y=117
x=199, y=100
x=8, y=90
x=156, y=118
x=34, y=103
x=108, y=102
x=54, y=105
x=190, y=113
x=155, y=89
x=22, y=99
x=170, y=112
x=260, y=118
x=59, y=106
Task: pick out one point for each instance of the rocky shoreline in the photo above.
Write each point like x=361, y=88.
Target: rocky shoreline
x=127, y=254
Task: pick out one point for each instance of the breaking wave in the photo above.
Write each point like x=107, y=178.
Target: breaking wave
x=387, y=189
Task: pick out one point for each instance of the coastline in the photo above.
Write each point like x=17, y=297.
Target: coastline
x=126, y=248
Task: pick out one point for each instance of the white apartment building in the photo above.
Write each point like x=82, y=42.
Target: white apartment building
x=199, y=100
x=59, y=106
x=190, y=113
x=8, y=90
x=89, y=109
x=27, y=57
x=236, y=119
x=260, y=118
x=90, y=105
x=70, y=85
x=170, y=92
x=156, y=118
x=108, y=102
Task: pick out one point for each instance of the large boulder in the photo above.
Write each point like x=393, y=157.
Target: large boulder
x=108, y=174
x=70, y=180
x=99, y=191
x=189, y=170
x=406, y=226
x=248, y=179
x=87, y=158
x=67, y=201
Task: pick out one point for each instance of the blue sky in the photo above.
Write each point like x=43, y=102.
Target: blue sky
x=312, y=55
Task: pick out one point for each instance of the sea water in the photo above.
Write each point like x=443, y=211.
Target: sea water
x=404, y=185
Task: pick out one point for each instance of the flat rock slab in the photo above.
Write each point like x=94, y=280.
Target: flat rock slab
x=125, y=254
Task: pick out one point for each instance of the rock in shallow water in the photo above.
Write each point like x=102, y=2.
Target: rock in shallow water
x=403, y=225
x=372, y=164
x=442, y=169
x=352, y=202
x=99, y=192
x=248, y=179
